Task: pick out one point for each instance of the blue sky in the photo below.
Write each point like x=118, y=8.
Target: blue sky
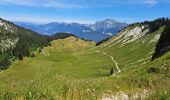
x=83, y=11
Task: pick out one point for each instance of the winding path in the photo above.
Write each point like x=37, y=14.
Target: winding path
x=116, y=64
x=120, y=95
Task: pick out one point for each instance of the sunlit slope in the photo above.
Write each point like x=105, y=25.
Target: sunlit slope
x=132, y=47
x=69, y=56
x=67, y=64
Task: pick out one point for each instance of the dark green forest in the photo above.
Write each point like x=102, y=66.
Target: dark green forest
x=163, y=44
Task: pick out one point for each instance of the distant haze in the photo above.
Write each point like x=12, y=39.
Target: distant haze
x=96, y=32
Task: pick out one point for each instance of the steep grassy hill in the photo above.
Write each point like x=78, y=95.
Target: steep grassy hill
x=133, y=49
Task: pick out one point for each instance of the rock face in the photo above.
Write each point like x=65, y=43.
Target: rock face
x=1, y=23
x=8, y=44
x=7, y=39
x=135, y=34
x=5, y=25
x=130, y=34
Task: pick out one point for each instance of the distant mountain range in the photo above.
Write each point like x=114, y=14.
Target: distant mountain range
x=96, y=32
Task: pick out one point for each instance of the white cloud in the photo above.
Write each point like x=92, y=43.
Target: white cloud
x=151, y=2
x=43, y=20
x=78, y=3
x=48, y=3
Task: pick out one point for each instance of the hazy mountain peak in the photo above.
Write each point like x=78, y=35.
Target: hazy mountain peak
x=108, y=21
x=107, y=24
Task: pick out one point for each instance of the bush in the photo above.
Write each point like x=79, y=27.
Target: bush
x=4, y=61
x=153, y=70
x=32, y=55
x=111, y=71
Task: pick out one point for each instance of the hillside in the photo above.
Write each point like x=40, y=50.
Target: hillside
x=17, y=42
x=57, y=72
x=133, y=51
x=120, y=68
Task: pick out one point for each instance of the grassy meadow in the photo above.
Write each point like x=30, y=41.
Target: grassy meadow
x=71, y=70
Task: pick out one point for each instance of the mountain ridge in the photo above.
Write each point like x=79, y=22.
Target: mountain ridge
x=95, y=32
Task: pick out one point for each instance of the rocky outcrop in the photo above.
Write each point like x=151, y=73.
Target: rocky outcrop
x=134, y=34
x=8, y=44
x=123, y=96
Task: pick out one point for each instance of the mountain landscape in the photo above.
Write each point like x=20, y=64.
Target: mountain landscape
x=96, y=32
x=133, y=64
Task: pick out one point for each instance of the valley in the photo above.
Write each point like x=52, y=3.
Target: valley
x=84, y=50
x=71, y=68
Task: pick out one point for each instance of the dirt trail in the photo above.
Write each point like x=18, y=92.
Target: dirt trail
x=116, y=64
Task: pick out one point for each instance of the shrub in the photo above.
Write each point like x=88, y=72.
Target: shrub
x=153, y=70
x=32, y=55
x=111, y=71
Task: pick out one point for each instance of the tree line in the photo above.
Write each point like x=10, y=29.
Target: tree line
x=163, y=45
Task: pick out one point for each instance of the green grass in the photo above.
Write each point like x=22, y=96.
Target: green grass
x=134, y=53
x=60, y=71
x=71, y=70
